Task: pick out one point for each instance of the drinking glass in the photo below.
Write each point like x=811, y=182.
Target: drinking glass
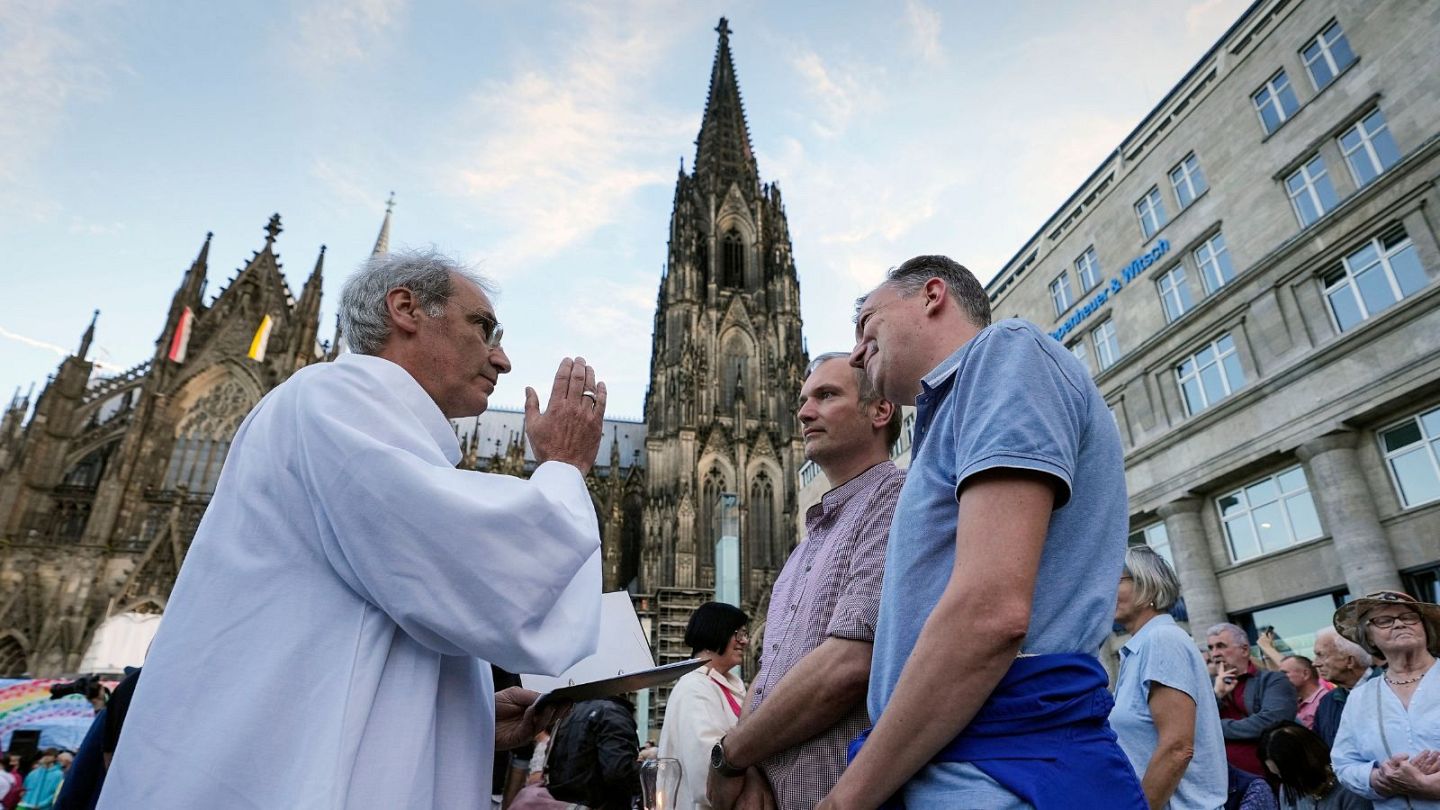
x=660, y=783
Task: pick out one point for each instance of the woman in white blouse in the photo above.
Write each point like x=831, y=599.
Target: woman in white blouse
x=706, y=703
x=1388, y=745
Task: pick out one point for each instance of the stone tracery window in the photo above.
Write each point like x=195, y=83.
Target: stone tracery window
x=709, y=527
x=732, y=255
x=87, y=471
x=204, y=437
x=734, y=370
x=762, y=522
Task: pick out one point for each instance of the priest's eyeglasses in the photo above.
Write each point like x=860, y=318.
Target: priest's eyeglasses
x=1387, y=622
x=490, y=329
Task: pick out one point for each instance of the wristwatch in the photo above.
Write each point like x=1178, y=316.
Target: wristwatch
x=720, y=763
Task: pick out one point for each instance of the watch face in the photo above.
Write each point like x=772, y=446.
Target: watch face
x=717, y=756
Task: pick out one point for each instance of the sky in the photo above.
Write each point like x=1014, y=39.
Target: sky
x=539, y=141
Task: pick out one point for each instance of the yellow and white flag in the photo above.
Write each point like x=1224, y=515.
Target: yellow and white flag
x=261, y=341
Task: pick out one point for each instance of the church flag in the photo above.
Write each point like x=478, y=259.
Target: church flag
x=262, y=340
x=181, y=341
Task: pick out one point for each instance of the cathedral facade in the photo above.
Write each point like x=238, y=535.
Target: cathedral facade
x=725, y=367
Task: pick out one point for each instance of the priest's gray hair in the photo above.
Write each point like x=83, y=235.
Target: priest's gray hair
x=1153, y=579
x=426, y=272
x=1345, y=646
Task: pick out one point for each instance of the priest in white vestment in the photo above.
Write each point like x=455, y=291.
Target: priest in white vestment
x=329, y=639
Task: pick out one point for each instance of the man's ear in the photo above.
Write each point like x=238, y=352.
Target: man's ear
x=403, y=309
x=935, y=292
x=884, y=409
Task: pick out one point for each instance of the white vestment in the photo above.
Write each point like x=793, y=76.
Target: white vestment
x=326, y=643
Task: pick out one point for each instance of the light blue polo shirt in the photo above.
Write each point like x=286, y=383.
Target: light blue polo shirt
x=1012, y=397
x=1162, y=653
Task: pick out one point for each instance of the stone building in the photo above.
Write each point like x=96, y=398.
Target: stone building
x=1251, y=277
x=725, y=369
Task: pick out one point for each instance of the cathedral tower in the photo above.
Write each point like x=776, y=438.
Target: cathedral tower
x=725, y=366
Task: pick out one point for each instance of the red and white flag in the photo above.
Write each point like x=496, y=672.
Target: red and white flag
x=181, y=341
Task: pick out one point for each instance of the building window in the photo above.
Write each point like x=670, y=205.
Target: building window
x=1210, y=375
x=1373, y=278
x=1107, y=347
x=1174, y=295
x=1078, y=349
x=732, y=254
x=1188, y=180
x=1326, y=55
x=1060, y=293
x=1270, y=514
x=1293, y=623
x=1310, y=191
x=1087, y=269
x=1368, y=148
x=1275, y=102
x=1213, y=259
x=1155, y=537
x=1412, y=452
x=1151, y=211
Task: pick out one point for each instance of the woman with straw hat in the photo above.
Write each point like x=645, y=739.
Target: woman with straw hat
x=1388, y=745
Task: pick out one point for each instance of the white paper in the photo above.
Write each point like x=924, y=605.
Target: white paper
x=623, y=648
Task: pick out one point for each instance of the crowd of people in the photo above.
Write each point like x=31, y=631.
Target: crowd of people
x=33, y=780
x=933, y=642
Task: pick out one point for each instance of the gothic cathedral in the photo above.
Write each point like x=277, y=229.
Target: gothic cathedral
x=725, y=367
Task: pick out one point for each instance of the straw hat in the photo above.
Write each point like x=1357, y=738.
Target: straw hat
x=1350, y=618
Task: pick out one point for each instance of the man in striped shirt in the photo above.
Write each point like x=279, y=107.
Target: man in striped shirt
x=808, y=701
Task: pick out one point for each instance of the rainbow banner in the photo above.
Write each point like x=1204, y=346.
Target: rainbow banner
x=261, y=341
x=27, y=705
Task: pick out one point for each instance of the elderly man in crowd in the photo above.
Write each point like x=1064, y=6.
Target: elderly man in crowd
x=1343, y=663
x=349, y=586
x=808, y=701
x=1250, y=699
x=1000, y=576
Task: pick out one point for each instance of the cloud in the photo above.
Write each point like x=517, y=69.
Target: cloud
x=839, y=93
x=346, y=182
x=924, y=25
x=331, y=34
x=565, y=145
x=1208, y=15
x=50, y=55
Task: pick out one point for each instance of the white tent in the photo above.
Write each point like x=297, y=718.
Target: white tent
x=121, y=641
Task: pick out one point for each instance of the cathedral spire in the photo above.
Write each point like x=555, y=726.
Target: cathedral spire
x=722, y=150
x=382, y=242
x=272, y=231
x=89, y=337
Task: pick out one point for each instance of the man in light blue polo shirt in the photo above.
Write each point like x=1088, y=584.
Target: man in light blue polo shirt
x=1000, y=574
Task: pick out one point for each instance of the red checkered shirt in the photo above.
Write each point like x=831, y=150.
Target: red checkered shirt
x=830, y=586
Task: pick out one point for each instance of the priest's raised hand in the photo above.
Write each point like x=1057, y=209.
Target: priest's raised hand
x=569, y=429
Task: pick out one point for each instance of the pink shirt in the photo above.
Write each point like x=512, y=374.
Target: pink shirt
x=1305, y=712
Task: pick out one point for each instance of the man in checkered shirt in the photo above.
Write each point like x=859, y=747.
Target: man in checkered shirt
x=808, y=701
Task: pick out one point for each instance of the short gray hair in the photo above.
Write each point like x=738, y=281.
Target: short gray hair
x=1345, y=646
x=910, y=277
x=364, y=317
x=1155, y=581
x=1236, y=633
